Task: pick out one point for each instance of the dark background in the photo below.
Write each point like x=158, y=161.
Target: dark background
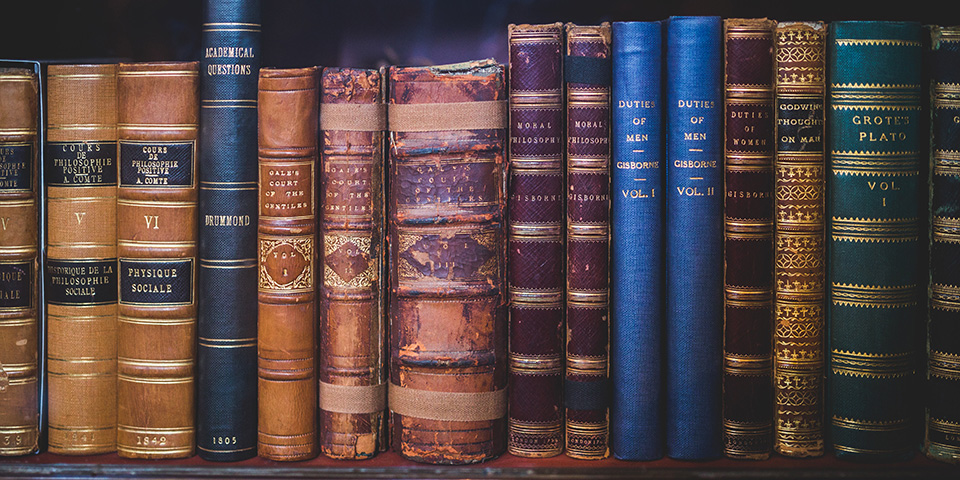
x=370, y=33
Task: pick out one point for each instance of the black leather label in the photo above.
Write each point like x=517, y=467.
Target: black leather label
x=81, y=282
x=16, y=161
x=15, y=284
x=157, y=164
x=80, y=164
x=158, y=281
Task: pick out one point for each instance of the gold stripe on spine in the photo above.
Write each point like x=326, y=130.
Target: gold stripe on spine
x=870, y=425
x=536, y=364
x=945, y=297
x=867, y=365
x=587, y=366
x=895, y=296
x=586, y=440
x=944, y=365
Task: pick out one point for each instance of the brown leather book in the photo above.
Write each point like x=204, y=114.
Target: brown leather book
x=81, y=269
x=800, y=250
x=19, y=408
x=157, y=249
x=352, y=374
x=748, y=238
x=287, y=326
x=448, y=332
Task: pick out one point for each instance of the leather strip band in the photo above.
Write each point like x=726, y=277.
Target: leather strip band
x=588, y=70
x=591, y=395
x=353, y=117
x=448, y=406
x=354, y=399
x=432, y=117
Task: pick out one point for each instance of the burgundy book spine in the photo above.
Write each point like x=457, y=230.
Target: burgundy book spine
x=586, y=387
x=536, y=253
x=748, y=238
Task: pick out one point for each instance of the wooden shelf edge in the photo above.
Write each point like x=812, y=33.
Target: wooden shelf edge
x=391, y=466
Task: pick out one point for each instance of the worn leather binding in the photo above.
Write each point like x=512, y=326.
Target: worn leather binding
x=799, y=267
x=227, y=265
x=352, y=372
x=942, y=440
x=157, y=249
x=536, y=257
x=694, y=238
x=748, y=238
x=636, y=268
x=448, y=332
x=875, y=140
x=586, y=384
x=287, y=326
x=81, y=269
x=19, y=408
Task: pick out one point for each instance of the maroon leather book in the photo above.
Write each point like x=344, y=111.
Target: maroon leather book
x=586, y=386
x=536, y=255
x=748, y=239
x=351, y=369
x=448, y=332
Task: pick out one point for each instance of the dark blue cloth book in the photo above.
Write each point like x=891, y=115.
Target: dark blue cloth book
x=636, y=278
x=227, y=277
x=694, y=235
x=873, y=212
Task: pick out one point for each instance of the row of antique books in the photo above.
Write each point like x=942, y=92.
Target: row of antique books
x=285, y=262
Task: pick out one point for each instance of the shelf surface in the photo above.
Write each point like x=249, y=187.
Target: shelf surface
x=391, y=465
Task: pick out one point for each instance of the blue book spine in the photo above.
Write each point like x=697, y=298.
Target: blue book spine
x=227, y=277
x=694, y=238
x=636, y=282
x=874, y=91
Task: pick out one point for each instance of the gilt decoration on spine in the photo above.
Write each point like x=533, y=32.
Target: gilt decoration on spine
x=537, y=258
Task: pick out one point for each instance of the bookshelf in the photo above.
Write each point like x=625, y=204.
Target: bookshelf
x=304, y=32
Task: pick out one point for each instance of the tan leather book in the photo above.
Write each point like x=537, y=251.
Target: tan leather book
x=81, y=268
x=287, y=326
x=157, y=248
x=448, y=330
x=352, y=376
x=19, y=408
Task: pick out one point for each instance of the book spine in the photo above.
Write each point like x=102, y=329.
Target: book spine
x=636, y=268
x=19, y=406
x=227, y=265
x=81, y=269
x=352, y=373
x=942, y=440
x=536, y=241
x=448, y=332
x=874, y=138
x=694, y=233
x=586, y=384
x=157, y=250
x=287, y=327
x=799, y=266
x=748, y=238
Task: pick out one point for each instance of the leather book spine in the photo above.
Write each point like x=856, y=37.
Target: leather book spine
x=536, y=255
x=81, y=268
x=227, y=264
x=636, y=268
x=352, y=372
x=19, y=366
x=748, y=238
x=942, y=440
x=587, y=75
x=287, y=326
x=799, y=266
x=448, y=331
x=157, y=249
x=694, y=238
x=874, y=137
